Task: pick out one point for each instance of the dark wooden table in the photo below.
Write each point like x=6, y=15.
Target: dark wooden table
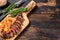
x=44, y=23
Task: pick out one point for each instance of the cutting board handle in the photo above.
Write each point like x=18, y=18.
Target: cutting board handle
x=31, y=5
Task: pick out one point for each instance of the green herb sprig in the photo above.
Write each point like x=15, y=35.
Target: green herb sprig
x=13, y=13
x=10, y=7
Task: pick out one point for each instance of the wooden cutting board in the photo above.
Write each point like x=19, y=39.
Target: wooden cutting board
x=43, y=25
x=31, y=6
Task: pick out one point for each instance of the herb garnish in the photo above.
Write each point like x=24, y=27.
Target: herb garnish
x=13, y=13
x=10, y=7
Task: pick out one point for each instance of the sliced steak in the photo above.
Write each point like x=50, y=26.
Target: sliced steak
x=15, y=27
x=17, y=24
x=13, y=31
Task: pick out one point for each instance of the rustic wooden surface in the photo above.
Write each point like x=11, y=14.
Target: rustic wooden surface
x=44, y=23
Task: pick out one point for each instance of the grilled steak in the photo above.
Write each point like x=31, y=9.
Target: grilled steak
x=15, y=27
